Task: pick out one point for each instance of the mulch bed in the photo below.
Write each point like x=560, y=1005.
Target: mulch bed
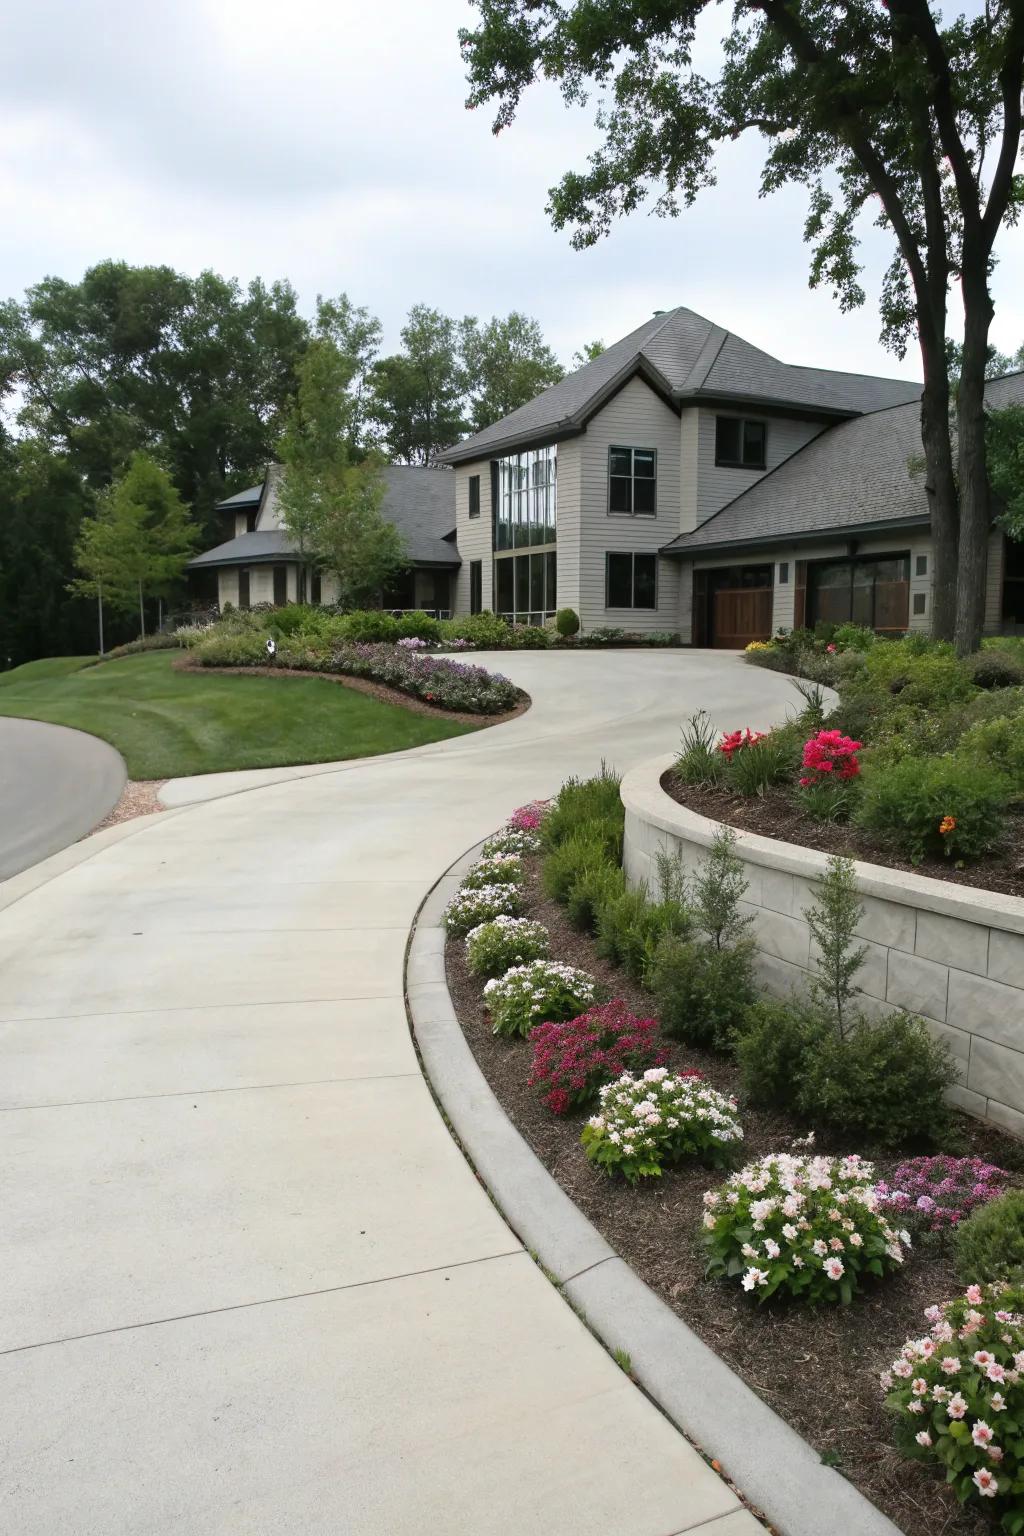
x=817, y=1369
x=777, y=814
x=361, y=685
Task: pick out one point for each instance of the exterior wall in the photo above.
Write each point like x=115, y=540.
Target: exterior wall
x=716, y=487
x=689, y=455
x=261, y=584
x=952, y=954
x=635, y=418
x=474, y=536
x=994, y=584
x=241, y=523
x=227, y=586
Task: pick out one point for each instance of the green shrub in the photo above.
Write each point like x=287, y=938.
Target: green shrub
x=907, y=803
x=594, y=801
x=853, y=637
x=699, y=760
x=832, y=919
x=494, y=947
x=647, y=1123
x=989, y=1245
x=607, y=634
x=662, y=638
x=494, y=869
x=232, y=648
x=157, y=642
x=469, y=908
x=882, y=1085
x=703, y=994
x=719, y=886
x=771, y=1049
x=291, y=617
x=418, y=626
x=995, y=669
x=567, y=622
x=485, y=630
x=529, y=637
x=1000, y=743
x=631, y=927
x=756, y=767
x=592, y=890
x=368, y=626
x=584, y=851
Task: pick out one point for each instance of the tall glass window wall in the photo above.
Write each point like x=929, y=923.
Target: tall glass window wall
x=525, y=574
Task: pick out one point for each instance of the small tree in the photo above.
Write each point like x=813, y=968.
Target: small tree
x=718, y=888
x=140, y=539
x=352, y=540
x=832, y=919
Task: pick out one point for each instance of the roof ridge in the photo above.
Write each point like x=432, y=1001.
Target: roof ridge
x=853, y=373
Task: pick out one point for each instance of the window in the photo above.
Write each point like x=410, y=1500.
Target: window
x=739, y=444
x=871, y=592
x=526, y=587
x=250, y=521
x=920, y=602
x=631, y=580
x=315, y=587
x=525, y=509
x=474, y=495
x=920, y=566
x=476, y=584
x=280, y=585
x=633, y=481
x=783, y=572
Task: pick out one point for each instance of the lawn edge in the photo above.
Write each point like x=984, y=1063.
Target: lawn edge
x=773, y=1466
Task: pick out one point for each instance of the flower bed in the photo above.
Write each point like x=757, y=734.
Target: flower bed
x=819, y=1367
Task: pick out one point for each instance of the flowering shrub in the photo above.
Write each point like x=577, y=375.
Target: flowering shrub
x=468, y=907
x=734, y=741
x=528, y=817
x=461, y=644
x=571, y=1060
x=958, y=1397
x=496, y=869
x=413, y=643
x=509, y=841
x=936, y=1193
x=655, y=1121
x=494, y=947
x=809, y=1226
x=532, y=994
x=448, y=684
x=759, y=645
x=830, y=755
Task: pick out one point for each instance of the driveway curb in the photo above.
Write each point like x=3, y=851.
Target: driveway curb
x=773, y=1466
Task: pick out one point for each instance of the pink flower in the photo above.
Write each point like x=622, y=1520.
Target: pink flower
x=919, y=1386
x=995, y=1372
x=997, y=1402
x=973, y=1294
x=981, y=1434
x=950, y=1364
x=957, y=1406
x=834, y=1269
x=923, y=1437
x=986, y=1483
x=982, y=1359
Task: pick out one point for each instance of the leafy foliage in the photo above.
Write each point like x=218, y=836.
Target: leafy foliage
x=951, y=805
x=658, y=1120
x=494, y=947
x=572, y=1060
x=990, y=1243
x=832, y=918
x=539, y=992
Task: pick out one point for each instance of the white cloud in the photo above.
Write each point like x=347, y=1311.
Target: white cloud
x=329, y=143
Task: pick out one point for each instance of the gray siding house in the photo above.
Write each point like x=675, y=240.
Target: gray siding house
x=683, y=482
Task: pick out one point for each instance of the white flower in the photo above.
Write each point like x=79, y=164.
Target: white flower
x=981, y=1433
x=834, y=1269
x=923, y=1437
x=754, y=1277
x=789, y=1232
x=771, y=1248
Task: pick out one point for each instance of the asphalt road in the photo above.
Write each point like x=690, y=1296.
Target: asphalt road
x=55, y=785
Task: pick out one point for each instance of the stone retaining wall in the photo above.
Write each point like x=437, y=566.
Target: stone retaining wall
x=951, y=953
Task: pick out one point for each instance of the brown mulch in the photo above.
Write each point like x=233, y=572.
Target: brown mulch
x=386, y=695
x=777, y=814
x=817, y=1369
x=140, y=797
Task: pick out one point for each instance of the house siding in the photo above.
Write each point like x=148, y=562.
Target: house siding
x=635, y=418
x=993, y=621
x=716, y=487
x=473, y=535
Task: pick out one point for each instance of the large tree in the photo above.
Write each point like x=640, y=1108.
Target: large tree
x=506, y=362
x=883, y=108
x=416, y=394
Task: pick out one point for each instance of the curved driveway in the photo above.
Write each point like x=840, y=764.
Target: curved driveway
x=55, y=785
x=249, y=1284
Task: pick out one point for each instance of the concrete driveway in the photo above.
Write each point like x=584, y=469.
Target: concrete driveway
x=249, y=1283
x=55, y=786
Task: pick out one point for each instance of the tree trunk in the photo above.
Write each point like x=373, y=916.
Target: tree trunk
x=99, y=602
x=940, y=487
x=975, y=513
x=142, y=615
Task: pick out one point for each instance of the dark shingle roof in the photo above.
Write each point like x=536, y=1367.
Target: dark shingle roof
x=853, y=476
x=687, y=358
x=420, y=503
x=247, y=498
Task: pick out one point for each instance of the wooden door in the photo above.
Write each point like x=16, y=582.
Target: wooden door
x=739, y=615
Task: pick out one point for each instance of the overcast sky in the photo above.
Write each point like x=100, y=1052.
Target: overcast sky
x=326, y=141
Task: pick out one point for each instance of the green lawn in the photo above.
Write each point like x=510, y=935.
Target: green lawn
x=166, y=722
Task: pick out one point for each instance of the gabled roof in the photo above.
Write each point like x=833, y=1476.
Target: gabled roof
x=685, y=358
x=853, y=477
x=240, y=500
x=419, y=502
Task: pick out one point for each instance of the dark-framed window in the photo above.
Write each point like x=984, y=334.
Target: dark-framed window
x=525, y=511
x=783, y=572
x=280, y=585
x=526, y=586
x=476, y=584
x=630, y=579
x=872, y=590
x=633, y=481
x=474, y=495
x=739, y=443
x=315, y=587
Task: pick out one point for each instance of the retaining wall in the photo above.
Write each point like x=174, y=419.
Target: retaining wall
x=951, y=953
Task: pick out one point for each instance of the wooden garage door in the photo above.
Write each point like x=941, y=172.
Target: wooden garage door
x=739, y=615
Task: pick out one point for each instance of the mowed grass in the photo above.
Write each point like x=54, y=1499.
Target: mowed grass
x=166, y=722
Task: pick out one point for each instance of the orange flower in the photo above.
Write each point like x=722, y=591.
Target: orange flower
x=946, y=825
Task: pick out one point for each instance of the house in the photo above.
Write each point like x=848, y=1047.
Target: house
x=259, y=560
x=685, y=482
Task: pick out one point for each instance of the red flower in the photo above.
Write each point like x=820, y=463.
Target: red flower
x=830, y=752
x=732, y=741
